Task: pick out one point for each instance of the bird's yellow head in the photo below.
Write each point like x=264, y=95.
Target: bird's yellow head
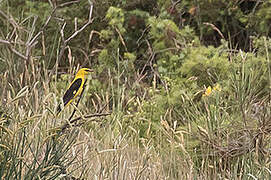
x=84, y=72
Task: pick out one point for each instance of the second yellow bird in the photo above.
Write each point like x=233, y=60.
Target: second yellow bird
x=75, y=88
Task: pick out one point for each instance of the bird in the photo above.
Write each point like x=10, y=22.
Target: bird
x=75, y=88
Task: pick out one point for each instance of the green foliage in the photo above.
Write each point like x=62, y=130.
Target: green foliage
x=251, y=79
x=168, y=40
x=261, y=18
x=106, y=58
x=262, y=45
x=35, y=8
x=206, y=64
x=115, y=16
x=167, y=31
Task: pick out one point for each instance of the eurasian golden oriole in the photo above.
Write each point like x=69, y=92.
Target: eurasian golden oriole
x=75, y=88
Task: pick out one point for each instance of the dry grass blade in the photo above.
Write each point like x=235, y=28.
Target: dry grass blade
x=22, y=93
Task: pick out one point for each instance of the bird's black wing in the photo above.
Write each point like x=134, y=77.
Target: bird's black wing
x=70, y=93
x=73, y=89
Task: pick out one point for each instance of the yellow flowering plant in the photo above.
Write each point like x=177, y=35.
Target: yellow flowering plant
x=209, y=90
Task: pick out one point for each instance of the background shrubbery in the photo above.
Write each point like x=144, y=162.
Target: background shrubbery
x=186, y=85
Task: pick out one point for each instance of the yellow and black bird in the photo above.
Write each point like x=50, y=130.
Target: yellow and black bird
x=75, y=88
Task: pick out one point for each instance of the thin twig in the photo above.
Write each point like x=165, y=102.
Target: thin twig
x=121, y=39
x=74, y=34
x=174, y=5
x=83, y=27
x=215, y=28
x=142, y=35
x=73, y=121
x=68, y=3
x=31, y=42
x=13, y=49
x=89, y=116
x=10, y=20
